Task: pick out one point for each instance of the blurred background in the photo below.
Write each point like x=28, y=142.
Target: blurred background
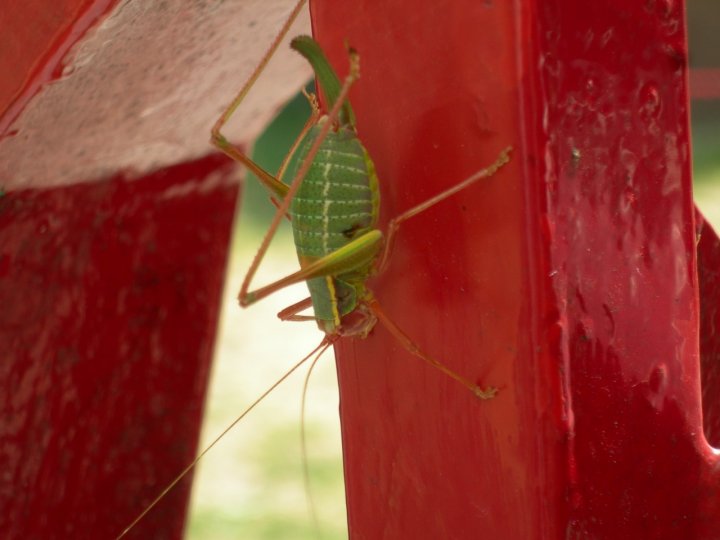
x=703, y=19
x=251, y=485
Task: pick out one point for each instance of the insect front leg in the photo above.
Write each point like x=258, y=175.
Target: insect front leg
x=414, y=349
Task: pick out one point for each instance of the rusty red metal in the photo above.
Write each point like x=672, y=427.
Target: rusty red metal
x=568, y=280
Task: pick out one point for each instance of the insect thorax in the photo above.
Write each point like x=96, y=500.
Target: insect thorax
x=336, y=203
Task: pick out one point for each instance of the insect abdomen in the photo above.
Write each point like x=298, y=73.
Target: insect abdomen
x=338, y=199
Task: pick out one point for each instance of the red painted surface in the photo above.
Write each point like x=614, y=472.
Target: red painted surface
x=110, y=295
x=709, y=278
x=568, y=280
x=36, y=36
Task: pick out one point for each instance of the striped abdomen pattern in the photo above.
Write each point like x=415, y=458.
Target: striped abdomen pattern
x=338, y=199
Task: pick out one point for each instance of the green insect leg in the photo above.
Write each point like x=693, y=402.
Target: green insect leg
x=353, y=256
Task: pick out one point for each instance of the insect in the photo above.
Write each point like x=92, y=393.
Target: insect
x=333, y=204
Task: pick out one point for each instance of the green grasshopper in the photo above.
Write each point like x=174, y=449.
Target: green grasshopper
x=333, y=204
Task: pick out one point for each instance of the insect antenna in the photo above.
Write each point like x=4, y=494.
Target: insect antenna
x=317, y=351
x=412, y=347
x=303, y=445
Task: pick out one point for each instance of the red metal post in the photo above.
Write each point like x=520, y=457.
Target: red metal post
x=568, y=280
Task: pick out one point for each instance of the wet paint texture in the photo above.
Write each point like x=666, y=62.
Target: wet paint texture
x=569, y=280
x=110, y=295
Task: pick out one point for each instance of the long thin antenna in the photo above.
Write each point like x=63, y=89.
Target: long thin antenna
x=322, y=347
x=303, y=444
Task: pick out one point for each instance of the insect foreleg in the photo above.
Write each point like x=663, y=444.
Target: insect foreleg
x=394, y=224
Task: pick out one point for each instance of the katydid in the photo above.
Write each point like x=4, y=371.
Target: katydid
x=333, y=204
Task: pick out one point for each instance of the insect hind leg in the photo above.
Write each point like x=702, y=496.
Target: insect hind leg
x=413, y=348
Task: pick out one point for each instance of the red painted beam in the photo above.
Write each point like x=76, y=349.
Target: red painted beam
x=568, y=280
x=110, y=295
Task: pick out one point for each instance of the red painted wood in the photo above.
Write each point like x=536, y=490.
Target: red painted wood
x=568, y=280
x=110, y=295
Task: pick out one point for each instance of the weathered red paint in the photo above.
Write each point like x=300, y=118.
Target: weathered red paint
x=110, y=295
x=36, y=36
x=569, y=280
